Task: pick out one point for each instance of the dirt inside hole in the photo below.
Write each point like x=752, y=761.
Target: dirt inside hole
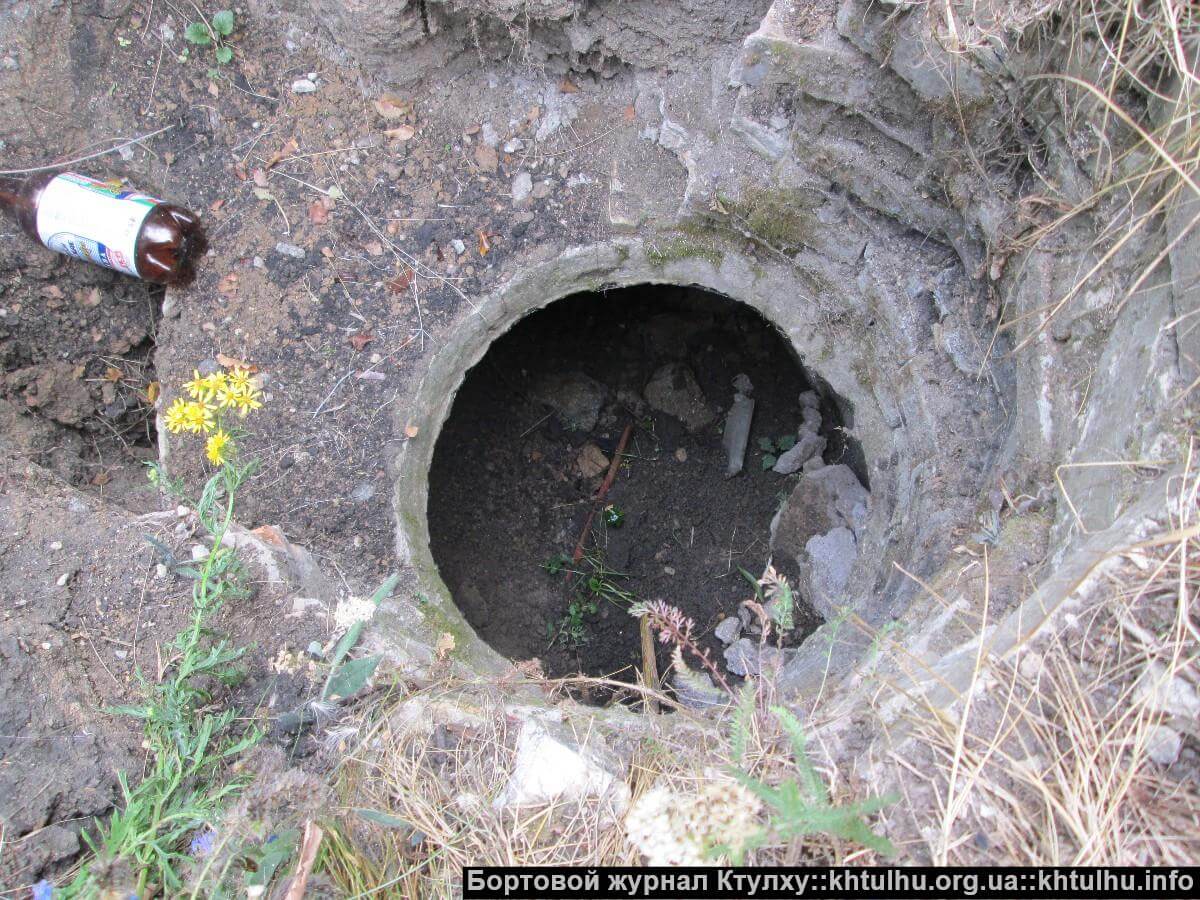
x=525, y=449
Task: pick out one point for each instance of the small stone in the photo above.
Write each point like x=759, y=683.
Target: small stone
x=696, y=690
x=56, y=545
x=669, y=570
x=45, y=645
x=806, y=448
x=199, y=552
x=290, y=250
x=1163, y=745
x=303, y=86
x=315, y=650
x=1031, y=665
x=542, y=189
x=737, y=433
x=728, y=630
x=259, y=263
x=182, y=511
x=522, y=185
x=363, y=492
x=161, y=571
x=488, y=135
x=121, y=654
x=63, y=579
x=811, y=419
x=681, y=454
x=574, y=396
x=459, y=247
x=591, y=460
x=514, y=145
x=742, y=383
x=810, y=400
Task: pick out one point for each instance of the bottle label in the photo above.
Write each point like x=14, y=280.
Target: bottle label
x=93, y=220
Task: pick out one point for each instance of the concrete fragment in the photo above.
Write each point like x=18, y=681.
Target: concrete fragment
x=552, y=764
x=831, y=559
x=737, y=433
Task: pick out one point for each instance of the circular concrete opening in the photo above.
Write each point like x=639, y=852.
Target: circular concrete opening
x=530, y=440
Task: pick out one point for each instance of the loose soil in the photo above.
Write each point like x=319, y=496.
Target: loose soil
x=508, y=496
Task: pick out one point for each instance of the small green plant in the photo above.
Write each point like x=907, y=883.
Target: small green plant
x=346, y=678
x=773, y=447
x=212, y=33
x=614, y=516
x=799, y=806
x=590, y=581
x=774, y=594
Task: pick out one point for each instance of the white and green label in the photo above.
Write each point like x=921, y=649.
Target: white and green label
x=93, y=220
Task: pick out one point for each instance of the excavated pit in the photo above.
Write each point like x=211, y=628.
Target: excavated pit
x=529, y=441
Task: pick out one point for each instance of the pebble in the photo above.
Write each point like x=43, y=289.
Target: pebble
x=303, y=86
x=56, y=545
x=669, y=570
x=63, y=579
x=488, y=135
x=514, y=145
x=542, y=189
x=161, y=571
x=315, y=650
x=182, y=511
x=199, y=552
x=121, y=654
x=522, y=185
x=1164, y=745
x=729, y=630
x=810, y=400
x=290, y=250
x=681, y=455
x=459, y=247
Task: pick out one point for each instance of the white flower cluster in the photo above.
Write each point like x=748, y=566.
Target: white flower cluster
x=350, y=611
x=672, y=829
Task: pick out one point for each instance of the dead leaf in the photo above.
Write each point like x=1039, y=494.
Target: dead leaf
x=92, y=298
x=327, y=252
x=411, y=431
x=400, y=283
x=269, y=534
x=113, y=374
x=484, y=244
x=308, y=855
x=403, y=133
x=391, y=107
x=228, y=284
x=360, y=340
x=374, y=248
x=232, y=362
x=101, y=478
x=283, y=153
x=568, y=87
x=52, y=290
x=486, y=158
x=630, y=113
x=152, y=391
x=239, y=171
x=216, y=205
x=260, y=177
x=445, y=644
x=318, y=214
x=213, y=90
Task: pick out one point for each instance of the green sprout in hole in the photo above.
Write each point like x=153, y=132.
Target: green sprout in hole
x=773, y=447
x=212, y=33
x=614, y=517
x=590, y=581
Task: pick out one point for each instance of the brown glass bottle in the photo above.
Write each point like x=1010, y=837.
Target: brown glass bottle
x=100, y=223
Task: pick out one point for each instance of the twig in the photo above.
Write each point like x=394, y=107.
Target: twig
x=600, y=494
x=649, y=663
x=79, y=159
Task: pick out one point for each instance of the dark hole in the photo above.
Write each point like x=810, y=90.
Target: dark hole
x=525, y=448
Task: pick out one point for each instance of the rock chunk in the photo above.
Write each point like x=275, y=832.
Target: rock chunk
x=575, y=397
x=728, y=630
x=673, y=390
x=831, y=559
x=552, y=764
x=806, y=448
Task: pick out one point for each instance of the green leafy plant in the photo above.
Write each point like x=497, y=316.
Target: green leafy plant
x=773, y=447
x=801, y=806
x=189, y=738
x=212, y=33
x=774, y=594
x=591, y=580
x=346, y=678
x=571, y=631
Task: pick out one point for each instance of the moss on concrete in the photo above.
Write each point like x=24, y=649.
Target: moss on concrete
x=683, y=245
x=781, y=218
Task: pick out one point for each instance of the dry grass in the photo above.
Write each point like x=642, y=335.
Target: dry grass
x=1046, y=760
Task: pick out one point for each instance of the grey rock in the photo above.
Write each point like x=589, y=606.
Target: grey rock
x=303, y=86
x=806, y=448
x=673, y=390
x=696, y=690
x=746, y=657
x=737, y=433
x=743, y=384
x=459, y=247
x=522, y=186
x=728, y=630
x=488, y=135
x=574, y=396
x=514, y=145
x=811, y=419
x=813, y=464
x=831, y=557
x=553, y=762
x=363, y=492
x=810, y=400
x=1163, y=745
x=290, y=250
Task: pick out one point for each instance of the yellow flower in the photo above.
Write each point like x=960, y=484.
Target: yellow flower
x=239, y=394
x=217, y=447
x=176, y=416
x=238, y=378
x=204, y=387
x=198, y=417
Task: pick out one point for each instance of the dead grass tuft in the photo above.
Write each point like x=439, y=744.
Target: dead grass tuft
x=1063, y=756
